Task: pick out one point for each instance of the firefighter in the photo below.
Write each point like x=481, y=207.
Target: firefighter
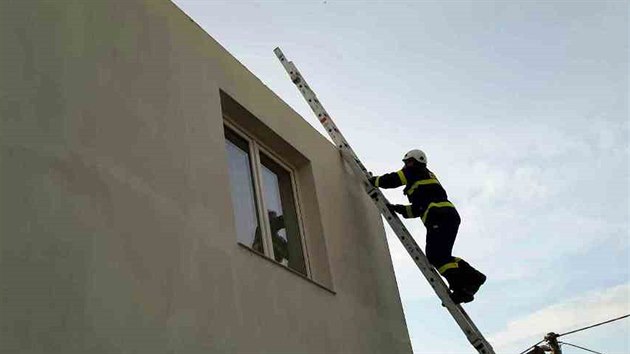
x=430, y=202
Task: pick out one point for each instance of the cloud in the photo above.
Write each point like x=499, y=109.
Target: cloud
x=581, y=311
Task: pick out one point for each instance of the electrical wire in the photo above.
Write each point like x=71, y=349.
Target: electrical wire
x=595, y=325
x=577, y=346
x=578, y=330
x=524, y=351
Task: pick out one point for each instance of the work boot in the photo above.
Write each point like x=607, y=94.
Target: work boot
x=461, y=296
x=455, y=278
x=472, y=279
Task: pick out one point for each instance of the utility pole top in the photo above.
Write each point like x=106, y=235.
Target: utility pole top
x=552, y=341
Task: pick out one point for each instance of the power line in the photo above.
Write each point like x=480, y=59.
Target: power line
x=524, y=351
x=595, y=325
x=577, y=346
x=578, y=330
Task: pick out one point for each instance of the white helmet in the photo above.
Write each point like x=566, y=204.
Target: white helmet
x=417, y=155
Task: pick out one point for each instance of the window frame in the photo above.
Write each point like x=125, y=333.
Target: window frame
x=255, y=148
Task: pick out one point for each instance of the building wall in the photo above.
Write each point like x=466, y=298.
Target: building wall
x=116, y=227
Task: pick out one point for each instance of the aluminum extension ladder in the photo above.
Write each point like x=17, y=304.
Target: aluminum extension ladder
x=460, y=316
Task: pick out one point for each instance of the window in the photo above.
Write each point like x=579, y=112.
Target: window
x=242, y=184
x=263, y=195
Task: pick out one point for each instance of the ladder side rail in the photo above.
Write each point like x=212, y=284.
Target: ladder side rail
x=457, y=312
x=321, y=113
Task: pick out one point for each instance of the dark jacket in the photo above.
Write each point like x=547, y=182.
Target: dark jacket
x=422, y=188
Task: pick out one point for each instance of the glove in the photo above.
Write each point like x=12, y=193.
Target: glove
x=372, y=180
x=396, y=208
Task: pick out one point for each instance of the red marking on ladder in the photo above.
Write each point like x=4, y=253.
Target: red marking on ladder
x=323, y=119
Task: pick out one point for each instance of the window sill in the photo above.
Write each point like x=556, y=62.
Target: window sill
x=251, y=251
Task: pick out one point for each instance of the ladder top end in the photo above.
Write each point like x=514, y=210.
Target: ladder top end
x=277, y=51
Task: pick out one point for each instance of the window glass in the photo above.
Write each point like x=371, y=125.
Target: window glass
x=283, y=222
x=241, y=182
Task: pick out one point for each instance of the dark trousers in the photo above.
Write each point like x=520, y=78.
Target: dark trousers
x=442, y=225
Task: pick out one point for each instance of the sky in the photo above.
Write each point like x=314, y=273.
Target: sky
x=522, y=109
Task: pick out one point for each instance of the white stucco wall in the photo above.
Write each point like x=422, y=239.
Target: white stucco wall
x=116, y=228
